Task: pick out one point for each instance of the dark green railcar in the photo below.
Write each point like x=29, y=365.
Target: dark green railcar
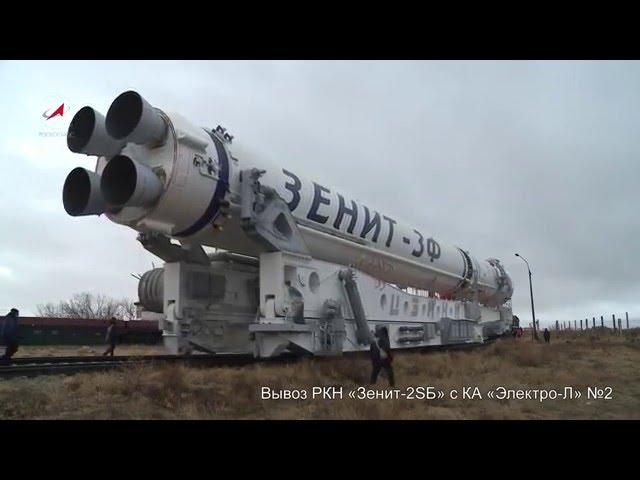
x=72, y=331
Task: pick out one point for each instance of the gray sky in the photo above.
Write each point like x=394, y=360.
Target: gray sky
x=542, y=158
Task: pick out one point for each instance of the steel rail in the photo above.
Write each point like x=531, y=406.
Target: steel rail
x=35, y=366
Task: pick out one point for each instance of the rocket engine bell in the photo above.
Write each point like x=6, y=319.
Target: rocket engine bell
x=131, y=119
x=87, y=134
x=126, y=182
x=158, y=173
x=81, y=193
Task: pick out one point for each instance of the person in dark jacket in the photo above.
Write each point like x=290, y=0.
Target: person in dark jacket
x=111, y=338
x=9, y=334
x=381, y=355
x=547, y=335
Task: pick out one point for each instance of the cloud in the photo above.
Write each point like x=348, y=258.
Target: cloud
x=5, y=272
x=496, y=157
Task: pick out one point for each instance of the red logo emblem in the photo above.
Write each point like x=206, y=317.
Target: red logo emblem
x=57, y=111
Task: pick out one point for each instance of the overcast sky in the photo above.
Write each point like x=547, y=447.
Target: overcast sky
x=542, y=158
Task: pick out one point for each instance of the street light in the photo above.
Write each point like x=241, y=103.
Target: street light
x=533, y=311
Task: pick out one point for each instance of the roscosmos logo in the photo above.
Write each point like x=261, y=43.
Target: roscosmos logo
x=55, y=117
x=58, y=111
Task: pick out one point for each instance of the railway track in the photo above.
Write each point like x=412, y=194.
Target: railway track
x=35, y=366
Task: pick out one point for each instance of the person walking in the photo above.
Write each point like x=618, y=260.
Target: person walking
x=9, y=334
x=111, y=337
x=381, y=355
x=547, y=335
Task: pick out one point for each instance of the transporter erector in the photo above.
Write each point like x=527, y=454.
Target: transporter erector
x=299, y=266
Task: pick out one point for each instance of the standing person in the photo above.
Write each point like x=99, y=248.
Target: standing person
x=111, y=337
x=9, y=333
x=381, y=355
x=547, y=335
x=124, y=337
x=515, y=326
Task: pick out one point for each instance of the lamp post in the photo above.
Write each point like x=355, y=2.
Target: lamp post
x=533, y=311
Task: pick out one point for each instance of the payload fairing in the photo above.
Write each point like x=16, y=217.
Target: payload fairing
x=306, y=266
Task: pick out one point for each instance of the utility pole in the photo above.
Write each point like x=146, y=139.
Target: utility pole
x=533, y=311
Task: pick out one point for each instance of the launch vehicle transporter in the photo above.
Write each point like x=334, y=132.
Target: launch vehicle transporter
x=300, y=267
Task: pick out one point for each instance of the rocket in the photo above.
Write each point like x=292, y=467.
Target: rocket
x=158, y=173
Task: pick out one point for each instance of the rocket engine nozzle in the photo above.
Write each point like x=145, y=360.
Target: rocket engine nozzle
x=132, y=119
x=127, y=183
x=81, y=193
x=87, y=134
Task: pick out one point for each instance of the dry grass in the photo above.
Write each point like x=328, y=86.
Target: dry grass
x=177, y=392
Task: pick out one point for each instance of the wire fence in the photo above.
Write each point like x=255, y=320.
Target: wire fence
x=613, y=322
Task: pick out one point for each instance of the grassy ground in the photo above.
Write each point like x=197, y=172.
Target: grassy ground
x=572, y=359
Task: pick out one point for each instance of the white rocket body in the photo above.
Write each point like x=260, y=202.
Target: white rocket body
x=199, y=203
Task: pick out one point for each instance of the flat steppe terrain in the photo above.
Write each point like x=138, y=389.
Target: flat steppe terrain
x=573, y=359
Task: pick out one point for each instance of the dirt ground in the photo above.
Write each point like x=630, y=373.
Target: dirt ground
x=573, y=359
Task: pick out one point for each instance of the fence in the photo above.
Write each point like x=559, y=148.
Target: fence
x=616, y=324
